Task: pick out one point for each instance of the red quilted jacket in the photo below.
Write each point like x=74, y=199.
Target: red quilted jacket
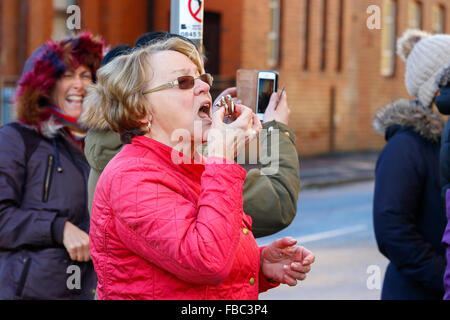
x=162, y=230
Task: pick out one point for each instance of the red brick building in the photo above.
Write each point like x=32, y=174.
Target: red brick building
x=336, y=69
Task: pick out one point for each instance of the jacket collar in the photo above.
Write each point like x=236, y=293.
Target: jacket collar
x=403, y=113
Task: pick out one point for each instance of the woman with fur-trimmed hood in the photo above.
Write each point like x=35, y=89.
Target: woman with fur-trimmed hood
x=44, y=218
x=409, y=217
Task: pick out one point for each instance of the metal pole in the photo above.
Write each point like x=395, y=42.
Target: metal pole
x=186, y=19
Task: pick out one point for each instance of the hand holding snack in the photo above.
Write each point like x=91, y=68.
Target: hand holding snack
x=225, y=140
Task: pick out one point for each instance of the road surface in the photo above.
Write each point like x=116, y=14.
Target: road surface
x=336, y=224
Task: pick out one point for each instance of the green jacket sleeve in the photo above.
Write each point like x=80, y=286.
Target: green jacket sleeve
x=271, y=199
x=100, y=147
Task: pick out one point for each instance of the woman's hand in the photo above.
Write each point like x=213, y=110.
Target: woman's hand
x=282, y=111
x=76, y=242
x=286, y=263
x=226, y=140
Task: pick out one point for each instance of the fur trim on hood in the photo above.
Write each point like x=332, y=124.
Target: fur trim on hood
x=402, y=112
x=48, y=128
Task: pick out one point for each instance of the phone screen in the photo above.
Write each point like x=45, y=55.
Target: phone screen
x=266, y=87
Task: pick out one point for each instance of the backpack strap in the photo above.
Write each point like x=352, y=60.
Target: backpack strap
x=30, y=138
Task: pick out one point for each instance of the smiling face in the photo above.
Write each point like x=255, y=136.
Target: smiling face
x=70, y=90
x=175, y=108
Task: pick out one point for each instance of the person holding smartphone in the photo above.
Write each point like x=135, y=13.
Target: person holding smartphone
x=166, y=229
x=280, y=189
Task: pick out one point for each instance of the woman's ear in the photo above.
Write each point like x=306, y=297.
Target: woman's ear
x=144, y=121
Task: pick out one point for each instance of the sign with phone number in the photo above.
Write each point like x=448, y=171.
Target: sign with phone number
x=191, y=18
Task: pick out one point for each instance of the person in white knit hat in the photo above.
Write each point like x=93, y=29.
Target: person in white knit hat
x=426, y=56
x=409, y=216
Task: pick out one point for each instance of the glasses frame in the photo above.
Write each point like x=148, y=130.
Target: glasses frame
x=175, y=83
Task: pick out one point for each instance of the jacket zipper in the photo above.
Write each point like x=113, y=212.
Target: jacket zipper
x=48, y=177
x=23, y=277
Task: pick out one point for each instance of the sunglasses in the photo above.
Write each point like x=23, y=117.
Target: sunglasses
x=184, y=83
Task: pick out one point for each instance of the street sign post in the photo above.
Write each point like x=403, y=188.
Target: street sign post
x=186, y=19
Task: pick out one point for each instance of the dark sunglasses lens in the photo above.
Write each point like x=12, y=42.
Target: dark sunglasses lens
x=185, y=82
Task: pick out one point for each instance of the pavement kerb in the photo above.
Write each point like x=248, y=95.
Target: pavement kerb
x=321, y=185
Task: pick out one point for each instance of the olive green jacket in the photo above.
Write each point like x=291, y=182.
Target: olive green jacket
x=271, y=200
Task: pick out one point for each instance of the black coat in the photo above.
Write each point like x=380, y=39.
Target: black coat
x=409, y=218
x=444, y=163
x=35, y=202
x=443, y=104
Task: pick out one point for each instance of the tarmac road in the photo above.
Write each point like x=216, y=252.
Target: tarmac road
x=336, y=224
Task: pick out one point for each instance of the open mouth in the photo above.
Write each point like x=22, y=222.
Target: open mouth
x=74, y=99
x=205, y=111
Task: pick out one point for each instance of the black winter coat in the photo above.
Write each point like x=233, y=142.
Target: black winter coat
x=443, y=104
x=35, y=202
x=409, y=217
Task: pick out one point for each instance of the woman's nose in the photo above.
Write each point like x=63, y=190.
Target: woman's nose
x=80, y=82
x=201, y=87
x=77, y=82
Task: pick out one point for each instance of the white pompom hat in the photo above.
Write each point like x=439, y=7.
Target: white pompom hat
x=425, y=55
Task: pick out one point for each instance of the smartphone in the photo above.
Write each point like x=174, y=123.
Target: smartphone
x=267, y=84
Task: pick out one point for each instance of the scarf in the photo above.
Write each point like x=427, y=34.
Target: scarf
x=74, y=127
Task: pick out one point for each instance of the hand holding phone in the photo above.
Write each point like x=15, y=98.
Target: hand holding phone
x=278, y=108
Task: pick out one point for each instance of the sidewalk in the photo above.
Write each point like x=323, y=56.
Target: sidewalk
x=327, y=170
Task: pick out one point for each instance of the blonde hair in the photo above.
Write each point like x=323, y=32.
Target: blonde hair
x=117, y=97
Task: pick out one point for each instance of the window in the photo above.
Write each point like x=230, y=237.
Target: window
x=324, y=38
x=438, y=19
x=340, y=40
x=274, y=34
x=388, y=38
x=211, y=40
x=60, y=17
x=306, y=31
x=6, y=104
x=415, y=15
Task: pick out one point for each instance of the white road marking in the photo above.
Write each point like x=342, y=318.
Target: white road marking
x=326, y=235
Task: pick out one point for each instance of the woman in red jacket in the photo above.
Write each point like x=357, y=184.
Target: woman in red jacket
x=166, y=222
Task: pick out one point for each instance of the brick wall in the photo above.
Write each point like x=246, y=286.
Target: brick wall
x=332, y=108
x=24, y=28
x=118, y=21
x=359, y=89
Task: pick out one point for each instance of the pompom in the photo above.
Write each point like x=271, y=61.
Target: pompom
x=406, y=43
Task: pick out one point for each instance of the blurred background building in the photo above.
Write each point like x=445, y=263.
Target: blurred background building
x=337, y=70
